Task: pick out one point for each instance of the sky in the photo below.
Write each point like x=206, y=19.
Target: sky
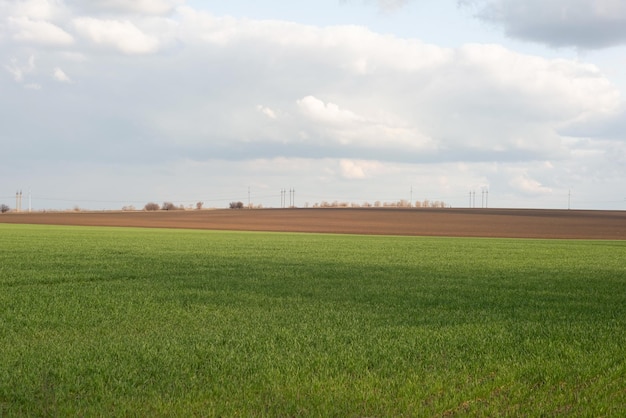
x=107, y=104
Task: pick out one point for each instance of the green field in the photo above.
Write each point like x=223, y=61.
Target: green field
x=146, y=322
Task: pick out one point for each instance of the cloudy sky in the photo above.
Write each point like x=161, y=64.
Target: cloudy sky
x=110, y=103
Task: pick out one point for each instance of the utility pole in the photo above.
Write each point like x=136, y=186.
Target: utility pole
x=248, y=197
x=411, y=200
x=18, y=201
x=569, y=199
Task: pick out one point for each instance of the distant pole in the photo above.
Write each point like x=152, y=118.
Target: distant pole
x=18, y=201
x=248, y=197
x=30, y=207
x=569, y=199
x=487, y=198
x=411, y=201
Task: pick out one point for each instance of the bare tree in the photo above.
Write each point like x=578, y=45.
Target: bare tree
x=4, y=208
x=168, y=206
x=199, y=205
x=151, y=206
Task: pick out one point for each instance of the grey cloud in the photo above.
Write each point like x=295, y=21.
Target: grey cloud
x=585, y=24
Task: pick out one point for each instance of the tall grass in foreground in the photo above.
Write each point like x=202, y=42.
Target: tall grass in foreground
x=106, y=321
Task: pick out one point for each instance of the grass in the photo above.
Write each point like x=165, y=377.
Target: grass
x=112, y=321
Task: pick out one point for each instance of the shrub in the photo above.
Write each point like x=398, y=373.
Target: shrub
x=168, y=206
x=236, y=205
x=4, y=208
x=151, y=206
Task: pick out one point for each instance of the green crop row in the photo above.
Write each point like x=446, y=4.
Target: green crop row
x=119, y=322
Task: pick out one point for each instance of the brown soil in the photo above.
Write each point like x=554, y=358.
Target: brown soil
x=514, y=223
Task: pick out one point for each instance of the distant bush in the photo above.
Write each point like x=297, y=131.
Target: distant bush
x=199, y=205
x=151, y=206
x=4, y=208
x=168, y=206
x=236, y=205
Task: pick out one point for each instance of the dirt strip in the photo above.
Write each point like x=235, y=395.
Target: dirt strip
x=506, y=223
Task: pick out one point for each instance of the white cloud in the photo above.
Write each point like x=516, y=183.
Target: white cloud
x=405, y=101
x=395, y=98
x=24, y=29
x=18, y=71
x=38, y=10
x=387, y=5
x=527, y=185
x=353, y=48
x=586, y=24
x=121, y=35
x=143, y=7
x=267, y=111
x=346, y=127
x=59, y=75
x=329, y=113
x=351, y=169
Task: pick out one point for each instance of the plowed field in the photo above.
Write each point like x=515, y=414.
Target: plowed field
x=506, y=223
